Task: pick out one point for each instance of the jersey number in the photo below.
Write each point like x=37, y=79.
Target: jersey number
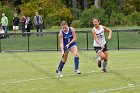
x=101, y=36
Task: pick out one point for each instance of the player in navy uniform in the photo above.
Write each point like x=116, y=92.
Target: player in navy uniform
x=67, y=38
x=100, y=42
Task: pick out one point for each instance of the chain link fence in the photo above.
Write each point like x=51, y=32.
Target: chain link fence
x=49, y=41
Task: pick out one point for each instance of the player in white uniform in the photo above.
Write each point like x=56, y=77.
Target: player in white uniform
x=100, y=42
x=1, y=33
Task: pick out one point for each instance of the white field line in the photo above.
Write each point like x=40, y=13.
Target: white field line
x=25, y=80
x=127, y=68
x=35, y=79
x=43, y=78
x=115, y=89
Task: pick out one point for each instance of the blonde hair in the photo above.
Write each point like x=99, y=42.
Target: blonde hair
x=63, y=23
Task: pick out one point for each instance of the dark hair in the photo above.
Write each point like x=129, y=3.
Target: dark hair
x=63, y=23
x=96, y=19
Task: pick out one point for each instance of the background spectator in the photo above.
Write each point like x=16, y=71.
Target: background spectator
x=22, y=21
x=28, y=24
x=38, y=22
x=4, y=22
x=15, y=23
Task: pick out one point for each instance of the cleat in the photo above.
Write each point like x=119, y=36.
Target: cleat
x=56, y=71
x=77, y=71
x=59, y=73
x=99, y=64
x=104, y=70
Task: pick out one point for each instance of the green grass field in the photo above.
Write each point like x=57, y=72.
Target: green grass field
x=34, y=72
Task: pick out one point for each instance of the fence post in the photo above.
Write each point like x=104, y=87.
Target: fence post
x=0, y=45
x=118, y=41
x=28, y=42
x=57, y=40
x=87, y=39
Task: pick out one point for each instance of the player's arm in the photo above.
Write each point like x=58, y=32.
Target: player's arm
x=108, y=30
x=74, y=36
x=96, y=39
x=61, y=42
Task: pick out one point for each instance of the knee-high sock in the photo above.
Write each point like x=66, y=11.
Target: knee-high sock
x=61, y=65
x=104, y=65
x=76, y=61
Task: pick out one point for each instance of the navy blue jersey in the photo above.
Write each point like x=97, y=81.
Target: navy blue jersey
x=67, y=37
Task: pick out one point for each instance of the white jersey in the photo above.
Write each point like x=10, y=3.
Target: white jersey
x=100, y=35
x=2, y=31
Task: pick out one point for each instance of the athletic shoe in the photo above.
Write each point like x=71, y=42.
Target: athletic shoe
x=77, y=71
x=99, y=64
x=56, y=71
x=59, y=73
x=104, y=70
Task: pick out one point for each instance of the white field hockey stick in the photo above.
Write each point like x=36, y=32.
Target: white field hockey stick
x=97, y=54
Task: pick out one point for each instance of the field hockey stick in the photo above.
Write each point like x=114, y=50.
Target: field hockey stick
x=105, y=43
x=97, y=55
x=64, y=53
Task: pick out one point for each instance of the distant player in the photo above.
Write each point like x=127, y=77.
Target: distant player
x=1, y=33
x=67, y=38
x=100, y=42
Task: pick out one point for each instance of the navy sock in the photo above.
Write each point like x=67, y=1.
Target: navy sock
x=76, y=61
x=61, y=65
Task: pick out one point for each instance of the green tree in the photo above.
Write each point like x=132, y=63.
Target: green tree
x=109, y=7
x=49, y=9
x=87, y=15
x=116, y=19
x=135, y=18
x=129, y=7
x=137, y=5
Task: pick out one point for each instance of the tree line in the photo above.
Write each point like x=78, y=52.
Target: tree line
x=78, y=13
